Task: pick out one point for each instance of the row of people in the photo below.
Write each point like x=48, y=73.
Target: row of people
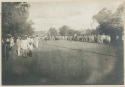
x=85, y=38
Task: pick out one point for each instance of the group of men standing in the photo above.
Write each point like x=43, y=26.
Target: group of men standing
x=24, y=45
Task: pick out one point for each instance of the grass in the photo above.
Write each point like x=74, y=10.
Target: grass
x=62, y=62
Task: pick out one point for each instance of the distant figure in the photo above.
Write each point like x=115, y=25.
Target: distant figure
x=7, y=47
x=104, y=39
x=24, y=47
x=11, y=42
x=30, y=46
x=3, y=48
x=36, y=41
x=117, y=37
x=100, y=39
x=18, y=45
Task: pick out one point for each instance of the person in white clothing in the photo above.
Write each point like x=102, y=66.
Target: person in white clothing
x=36, y=41
x=30, y=46
x=24, y=47
x=11, y=42
x=18, y=46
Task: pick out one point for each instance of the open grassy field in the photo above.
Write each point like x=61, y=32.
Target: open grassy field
x=65, y=62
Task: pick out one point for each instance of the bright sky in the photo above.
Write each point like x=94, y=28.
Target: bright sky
x=75, y=14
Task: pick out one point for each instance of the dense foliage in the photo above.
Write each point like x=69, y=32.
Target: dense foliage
x=15, y=18
x=111, y=23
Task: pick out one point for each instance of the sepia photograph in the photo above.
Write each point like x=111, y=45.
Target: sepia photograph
x=66, y=42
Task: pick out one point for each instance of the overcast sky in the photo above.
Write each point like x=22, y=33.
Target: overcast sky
x=76, y=14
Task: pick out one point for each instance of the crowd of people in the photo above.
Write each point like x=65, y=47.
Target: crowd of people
x=24, y=45
x=84, y=38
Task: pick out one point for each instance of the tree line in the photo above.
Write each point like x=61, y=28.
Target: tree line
x=15, y=22
x=109, y=24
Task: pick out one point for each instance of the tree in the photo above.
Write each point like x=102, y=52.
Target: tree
x=14, y=18
x=64, y=30
x=111, y=23
x=103, y=16
x=71, y=32
x=67, y=31
x=52, y=32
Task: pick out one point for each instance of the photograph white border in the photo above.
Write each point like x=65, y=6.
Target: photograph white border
x=53, y=85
